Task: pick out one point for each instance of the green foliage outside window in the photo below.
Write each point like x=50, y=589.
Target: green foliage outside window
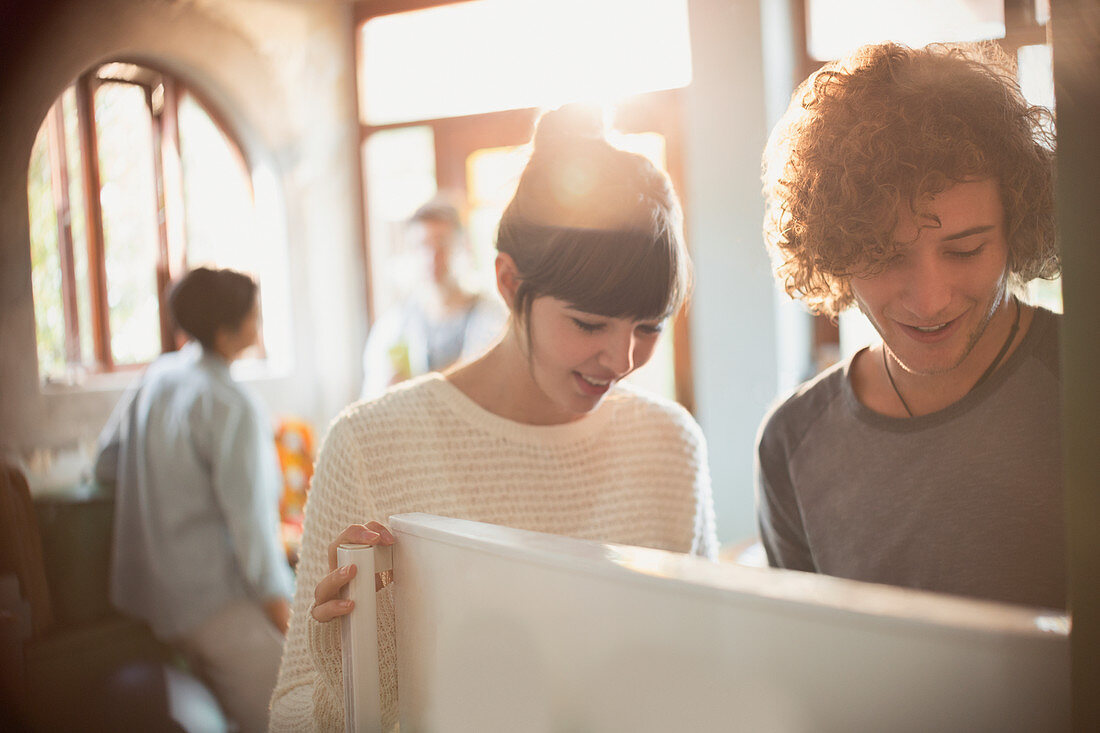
x=45, y=262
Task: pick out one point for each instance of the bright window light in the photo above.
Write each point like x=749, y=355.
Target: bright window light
x=838, y=27
x=1042, y=11
x=128, y=198
x=1036, y=69
x=221, y=225
x=491, y=55
x=399, y=166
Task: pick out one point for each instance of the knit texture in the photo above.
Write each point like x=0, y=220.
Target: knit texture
x=633, y=472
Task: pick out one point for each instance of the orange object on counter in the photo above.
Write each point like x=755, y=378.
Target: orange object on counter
x=294, y=444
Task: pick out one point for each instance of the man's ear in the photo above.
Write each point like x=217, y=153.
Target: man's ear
x=221, y=342
x=508, y=279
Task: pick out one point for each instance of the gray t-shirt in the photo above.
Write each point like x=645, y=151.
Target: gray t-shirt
x=967, y=500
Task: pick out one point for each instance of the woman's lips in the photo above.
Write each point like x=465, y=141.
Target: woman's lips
x=596, y=387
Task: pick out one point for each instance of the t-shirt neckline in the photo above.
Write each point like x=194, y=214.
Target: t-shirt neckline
x=1039, y=323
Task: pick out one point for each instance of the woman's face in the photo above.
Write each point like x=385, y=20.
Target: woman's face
x=575, y=357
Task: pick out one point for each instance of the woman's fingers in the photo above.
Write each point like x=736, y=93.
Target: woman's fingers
x=327, y=603
x=385, y=536
x=332, y=610
x=356, y=534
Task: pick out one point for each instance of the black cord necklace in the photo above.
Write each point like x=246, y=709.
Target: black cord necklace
x=985, y=375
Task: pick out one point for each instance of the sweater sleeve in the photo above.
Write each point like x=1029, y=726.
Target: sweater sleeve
x=705, y=541
x=309, y=691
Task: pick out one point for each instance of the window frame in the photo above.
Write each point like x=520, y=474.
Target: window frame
x=163, y=93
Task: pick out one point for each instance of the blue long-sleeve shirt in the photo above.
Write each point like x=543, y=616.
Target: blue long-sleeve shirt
x=197, y=481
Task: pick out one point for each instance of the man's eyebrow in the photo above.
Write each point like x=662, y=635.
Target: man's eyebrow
x=968, y=233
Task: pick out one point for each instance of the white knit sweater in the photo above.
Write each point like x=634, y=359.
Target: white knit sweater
x=633, y=472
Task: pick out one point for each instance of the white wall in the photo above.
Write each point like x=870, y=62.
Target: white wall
x=281, y=72
x=733, y=315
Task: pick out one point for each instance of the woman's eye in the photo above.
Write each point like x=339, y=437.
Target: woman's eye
x=651, y=329
x=587, y=326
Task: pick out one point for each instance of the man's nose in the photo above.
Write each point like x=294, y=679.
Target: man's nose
x=928, y=291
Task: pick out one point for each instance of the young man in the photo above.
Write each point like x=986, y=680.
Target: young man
x=916, y=185
x=442, y=322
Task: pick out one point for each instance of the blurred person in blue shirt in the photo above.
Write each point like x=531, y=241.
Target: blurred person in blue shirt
x=444, y=320
x=196, y=549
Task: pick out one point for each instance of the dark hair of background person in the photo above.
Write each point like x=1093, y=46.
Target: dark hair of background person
x=204, y=300
x=592, y=225
x=881, y=132
x=438, y=211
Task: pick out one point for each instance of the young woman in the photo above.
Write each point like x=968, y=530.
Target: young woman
x=192, y=457
x=537, y=434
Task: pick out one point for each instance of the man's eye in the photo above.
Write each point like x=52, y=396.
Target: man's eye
x=587, y=326
x=964, y=254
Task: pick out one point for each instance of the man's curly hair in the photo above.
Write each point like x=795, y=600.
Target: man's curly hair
x=891, y=126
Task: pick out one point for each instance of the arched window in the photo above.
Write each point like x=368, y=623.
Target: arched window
x=132, y=181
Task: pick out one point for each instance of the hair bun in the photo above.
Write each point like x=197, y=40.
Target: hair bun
x=568, y=124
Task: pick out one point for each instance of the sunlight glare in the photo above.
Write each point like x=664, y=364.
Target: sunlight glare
x=272, y=267
x=490, y=55
x=838, y=27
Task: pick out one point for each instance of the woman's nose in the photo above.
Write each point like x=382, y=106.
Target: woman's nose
x=618, y=353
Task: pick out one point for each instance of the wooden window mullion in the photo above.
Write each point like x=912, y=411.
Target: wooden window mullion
x=174, y=211
x=163, y=276
x=97, y=267
x=59, y=178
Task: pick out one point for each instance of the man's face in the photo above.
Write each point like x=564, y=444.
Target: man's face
x=435, y=241
x=936, y=296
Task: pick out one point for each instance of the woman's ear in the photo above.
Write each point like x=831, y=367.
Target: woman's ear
x=508, y=279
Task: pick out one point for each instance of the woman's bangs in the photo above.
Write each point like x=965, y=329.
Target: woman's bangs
x=614, y=273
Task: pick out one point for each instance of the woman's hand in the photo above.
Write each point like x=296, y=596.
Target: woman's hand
x=327, y=603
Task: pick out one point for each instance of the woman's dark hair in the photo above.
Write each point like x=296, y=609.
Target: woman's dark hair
x=204, y=300
x=592, y=225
